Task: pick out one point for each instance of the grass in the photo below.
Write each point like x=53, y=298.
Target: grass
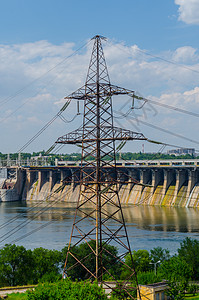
x=16, y=296
x=190, y=297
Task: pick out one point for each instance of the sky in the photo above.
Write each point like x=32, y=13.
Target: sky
x=152, y=48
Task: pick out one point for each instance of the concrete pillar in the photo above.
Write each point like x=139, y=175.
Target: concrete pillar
x=157, y=178
x=181, y=177
x=169, y=177
x=30, y=177
x=41, y=179
x=52, y=179
x=62, y=175
x=192, y=180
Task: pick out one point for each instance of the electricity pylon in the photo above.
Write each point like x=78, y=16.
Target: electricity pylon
x=98, y=201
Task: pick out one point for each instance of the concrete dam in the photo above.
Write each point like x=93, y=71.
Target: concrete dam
x=162, y=183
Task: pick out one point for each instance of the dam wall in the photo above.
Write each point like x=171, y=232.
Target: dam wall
x=160, y=184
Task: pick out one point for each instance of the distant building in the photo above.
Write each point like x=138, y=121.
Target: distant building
x=155, y=291
x=182, y=151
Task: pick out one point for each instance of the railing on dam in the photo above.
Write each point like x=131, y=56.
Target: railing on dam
x=42, y=161
x=140, y=163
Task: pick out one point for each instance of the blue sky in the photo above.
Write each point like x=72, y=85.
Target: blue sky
x=150, y=24
x=36, y=35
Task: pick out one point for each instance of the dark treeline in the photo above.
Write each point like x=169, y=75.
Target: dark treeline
x=77, y=156
x=19, y=266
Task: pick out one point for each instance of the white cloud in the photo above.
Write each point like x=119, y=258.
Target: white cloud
x=188, y=11
x=39, y=101
x=180, y=100
x=185, y=54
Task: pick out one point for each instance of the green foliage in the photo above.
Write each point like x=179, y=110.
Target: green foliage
x=176, y=290
x=85, y=254
x=15, y=265
x=188, y=251
x=178, y=273
x=159, y=254
x=66, y=289
x=77, y=156
x=19, y=266
x=149, y=277
x=149, y=156
x=192, y=289
x=119, y=292
x=17, y=296
x=141, y=262
x=46, y=265
x=191, y=297
x=176, y=270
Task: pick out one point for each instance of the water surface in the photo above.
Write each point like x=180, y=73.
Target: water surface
x=43, y=225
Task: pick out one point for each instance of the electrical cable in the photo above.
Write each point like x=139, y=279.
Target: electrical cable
x=157, y=57
x=54, y=202
x=27, y=211
x=10, y=221
x=158, y=128
x=55, y=117
x=6, y=100
x=162, y=104
x=44, y=127
x=68, y=121
x=40, y=212
x=38, y=134
x=184, y=111
x=168, y=61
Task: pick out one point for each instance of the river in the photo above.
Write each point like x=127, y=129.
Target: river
x=43, y=225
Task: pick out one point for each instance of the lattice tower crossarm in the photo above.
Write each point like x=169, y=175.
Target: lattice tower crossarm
x=98, y=202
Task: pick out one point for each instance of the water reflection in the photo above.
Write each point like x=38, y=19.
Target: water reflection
x=147, y=226
x=163, y=218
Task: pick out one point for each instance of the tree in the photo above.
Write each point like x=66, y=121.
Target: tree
x=16, y=265
x=159, y=254
x=66, y=289
x=46, y=264
x=188, y=251
x=141, y=262
x=84, y=253
x=178, y=273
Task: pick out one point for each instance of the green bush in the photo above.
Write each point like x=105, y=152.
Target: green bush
x=192, y=289
x=66, y=289
x=17, y=296
x=149, y=277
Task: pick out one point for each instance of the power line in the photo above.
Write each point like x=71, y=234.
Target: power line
x=158, y=128
x=157, y=57
x=194, y=114
x=10, y=221
x=45, y=127
x=168, y=61
x=6, y=100
x=40, y=212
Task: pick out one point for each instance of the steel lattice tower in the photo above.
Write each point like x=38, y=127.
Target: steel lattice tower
x=98, y=178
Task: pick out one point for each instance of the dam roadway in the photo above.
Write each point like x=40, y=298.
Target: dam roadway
x=168, y=182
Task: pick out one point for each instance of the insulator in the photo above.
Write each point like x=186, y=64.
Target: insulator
x=78, y=113
x=133, y=102
x=65, y=106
